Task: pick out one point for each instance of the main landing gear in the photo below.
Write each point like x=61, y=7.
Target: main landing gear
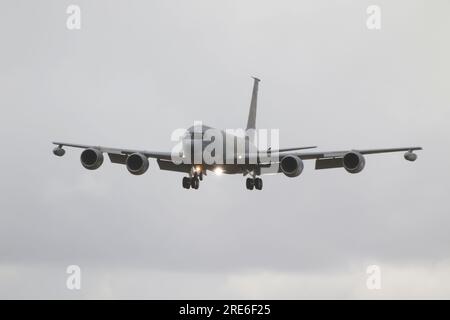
x=256, y=183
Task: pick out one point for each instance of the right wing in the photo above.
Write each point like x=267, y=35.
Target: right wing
x=338, y=154
x=274, y=157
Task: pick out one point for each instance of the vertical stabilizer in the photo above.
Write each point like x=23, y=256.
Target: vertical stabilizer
x=251, y=122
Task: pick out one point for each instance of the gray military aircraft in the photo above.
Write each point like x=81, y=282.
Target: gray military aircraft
x=246, y=161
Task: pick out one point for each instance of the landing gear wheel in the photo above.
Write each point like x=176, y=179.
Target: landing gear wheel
x=258, y=183
x=195, y=183
x=250, y=184
x=186, y=182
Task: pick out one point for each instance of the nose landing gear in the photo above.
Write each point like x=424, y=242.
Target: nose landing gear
x=195, y=183
x=191, y=182
x=186, y=182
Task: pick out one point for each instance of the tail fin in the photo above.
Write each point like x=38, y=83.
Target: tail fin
x=251, y=122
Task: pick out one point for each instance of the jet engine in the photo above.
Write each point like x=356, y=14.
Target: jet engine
x=291, y=166
x=137, y=163
x=353, y=162
x=91, y=158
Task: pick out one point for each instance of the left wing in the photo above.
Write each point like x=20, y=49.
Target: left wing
x=114, y=153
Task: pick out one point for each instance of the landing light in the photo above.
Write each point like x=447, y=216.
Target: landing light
x=218, y=171
x=198, y=169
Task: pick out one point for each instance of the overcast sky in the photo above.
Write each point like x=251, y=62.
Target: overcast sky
x=137, y=70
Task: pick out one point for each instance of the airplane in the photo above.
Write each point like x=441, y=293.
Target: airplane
x=248, y=161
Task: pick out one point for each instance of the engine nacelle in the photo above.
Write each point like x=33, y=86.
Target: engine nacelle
x=353, y=162
x=137, y=163
x=91, y=158
x=410, y=156
x=291, y=166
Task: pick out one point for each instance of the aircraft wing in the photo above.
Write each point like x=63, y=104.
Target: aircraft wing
x=267, y=157
x=338, y=154
x=328, y=159
x=118, y=155
x=289, y=149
